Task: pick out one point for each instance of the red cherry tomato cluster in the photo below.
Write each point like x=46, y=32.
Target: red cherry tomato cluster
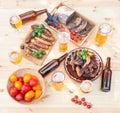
x=75, y=37
x=25, y=88
x=81, y=101
x=59, y=26
x=54, y=27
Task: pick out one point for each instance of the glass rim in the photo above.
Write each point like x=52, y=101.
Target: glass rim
x=16, y=52
x=55, y=81
x=85, y=82
x=103, y=27
x=18, y=18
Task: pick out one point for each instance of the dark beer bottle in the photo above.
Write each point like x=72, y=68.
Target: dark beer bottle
x=106, y=77
x=51, y=65
x=31, y=14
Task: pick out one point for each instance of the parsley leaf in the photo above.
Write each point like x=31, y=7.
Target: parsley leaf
x=38, y=53
x=38, y=31
x=83, y=54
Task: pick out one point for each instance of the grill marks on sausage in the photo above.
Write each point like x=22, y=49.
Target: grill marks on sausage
x=30, y=51
x=33, y=46
x=40, y=40
x=29, y=37
x=39, y=44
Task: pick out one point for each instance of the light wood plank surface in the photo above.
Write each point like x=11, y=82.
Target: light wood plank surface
x=98, y=11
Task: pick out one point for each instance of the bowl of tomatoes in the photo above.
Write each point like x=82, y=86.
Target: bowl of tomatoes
x=26, y=85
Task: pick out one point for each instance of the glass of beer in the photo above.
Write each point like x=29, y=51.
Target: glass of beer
x=102, y=34
x=63, y=36
x=16, y=22
x=58, y=80
x=15, y=57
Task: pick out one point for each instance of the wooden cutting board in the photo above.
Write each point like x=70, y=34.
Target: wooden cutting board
x=78, y=39
x=32, y=58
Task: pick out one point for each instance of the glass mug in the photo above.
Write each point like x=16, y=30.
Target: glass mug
x=58, y=80
x=102, y=34
x=63, y=36
x=16, y=21
x=15, y=57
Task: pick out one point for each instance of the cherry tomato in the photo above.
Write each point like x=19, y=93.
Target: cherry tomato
x=74, y=33
x=79, y=37
x=34, y=77
x=22, y=92
x=61, y=26
x=25, y=88
x=27, y=99
x=18, y=85
x=72, y=37
x=54, y=26
x=13, y=91
x=38, y=93
x=75, y=39
x=70, y=31
x=27, y=77
x=26, y=83
x=20, y=79
x=37, y=87
x=19, y=97
x=30, y=94
x=33, y=82
x=13, y=78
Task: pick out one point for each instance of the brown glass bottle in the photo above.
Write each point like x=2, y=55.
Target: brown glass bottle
x=106, y=77
x=31, y=15
x=51, y=65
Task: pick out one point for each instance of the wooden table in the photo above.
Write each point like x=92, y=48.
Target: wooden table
x=59, y=101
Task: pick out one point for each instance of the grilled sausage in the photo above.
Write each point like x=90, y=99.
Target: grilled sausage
x=37, y=50
x=47, y=32
x=43, y=41
x=34, y=26
x=33, y=46
x=28, y=39
x=30, y=52
x=39, y=44
x=44, y=36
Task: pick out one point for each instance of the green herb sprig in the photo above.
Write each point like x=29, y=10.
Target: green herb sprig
x=38, y=31
x=38, y=53
x=83, y=54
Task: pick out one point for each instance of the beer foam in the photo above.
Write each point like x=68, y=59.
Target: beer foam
x=14, y=19
x=58, y=77
x=86, y=86
x=63, y=37
x=105, y=28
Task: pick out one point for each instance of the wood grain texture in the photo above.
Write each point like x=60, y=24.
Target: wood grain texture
x=98, y=11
